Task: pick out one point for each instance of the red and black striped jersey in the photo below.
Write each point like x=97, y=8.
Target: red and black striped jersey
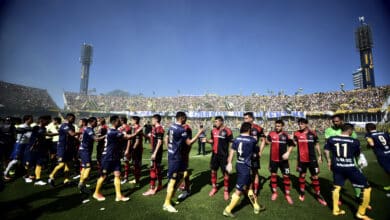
x=279, y=144
x=221, y=138
x=257, y=132
x=306, y=141
x=157, y=134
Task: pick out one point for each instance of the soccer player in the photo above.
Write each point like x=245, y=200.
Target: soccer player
x=221, y=139
x=281, y=147
x=176, y=139
x=37, y=149
x=245, y=146
x=202, y=143
x=344, y=150
x=102, y=131
x=136, y=146
x=82, y=125
x=53, y=127
x=85, y=152
x=307, y=145
x=65, y=148
x=258, y=133
x=22, y=140
x=156, y=137
x=125, y=145
x=111, y=161
x=185, y=152
x=380, y=143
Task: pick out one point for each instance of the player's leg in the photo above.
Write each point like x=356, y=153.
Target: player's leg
x=243, y=181
x=153, y=177
x=174, y=177
x=285, y=168
x=384, y=162
x=315, y=182
x=273, y=167
x=60, y=165
x=86, y=168
x=338, y=182
x=126, y=166
x=38, y=170
x=214, y=168
x=223, y=164
x=14, y=160
x=105, y=169
x=117, y=182
x=302, y=168
x=358, y=180
x=137, y=162
x=233, y=202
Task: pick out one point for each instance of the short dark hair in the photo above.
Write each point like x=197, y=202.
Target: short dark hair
x=370, y=127
x=27, y=117
x=136, y=119
x=347, y=126
x=57, y=119
x=245, y=127
x=180, y=115
x=123, y=119
x=336, y=116
x=70, y=115
x=279, y=122
x=219, y=118
x=113, y=118
x=303, y=120
x=92, y=119
x=249, y=114
x=102, y=120
x=157, y=117
x=84, y=120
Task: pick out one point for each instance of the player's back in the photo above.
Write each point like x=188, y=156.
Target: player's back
x=87, y=139
x=176, y=140
x=112, y=148
x=344, y=150
x=245, y=146
x=381, y=142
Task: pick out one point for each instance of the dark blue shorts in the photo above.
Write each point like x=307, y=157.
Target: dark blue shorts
x=356, y=177
x=175, y=168
x=243, y=177
x=53, y=148
x=109, y=166
x=18, y=151
x=85, y=158
x=33, y=158
x=64, y=155
x=384, y=162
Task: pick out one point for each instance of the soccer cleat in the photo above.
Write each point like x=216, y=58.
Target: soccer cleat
x=339, y=212
x=274, y=196
x=289, y=199
x=123, y=181
x=184, y=195
x=302, y=197
x=226, y=195
x=51, y=182
x=169, y=208
x=122, y=199
x=76, y=177
x=321, y=200
x=213, y=191
x=364, y=217
x=40, y=183
x=228, y=214
x=99, y=197
x=28, y=180
x=150, y=192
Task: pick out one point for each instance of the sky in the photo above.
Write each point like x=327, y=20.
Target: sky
x=190, y=47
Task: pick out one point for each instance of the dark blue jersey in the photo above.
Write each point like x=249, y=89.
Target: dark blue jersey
x=344, y=151
x=112, y=150
x=87, y=140
x=245, y=147
x=177, y=136
x=381, y=142
x=37, y=139
x=65, y=141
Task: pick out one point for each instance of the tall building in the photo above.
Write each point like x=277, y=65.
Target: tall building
x=358, y=79
x=85, y=60
x=364, y=43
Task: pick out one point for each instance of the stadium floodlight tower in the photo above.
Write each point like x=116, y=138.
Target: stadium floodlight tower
x=85, y=60
x=364, y=44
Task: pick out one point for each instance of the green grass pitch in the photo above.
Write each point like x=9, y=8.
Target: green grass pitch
x=25, y=201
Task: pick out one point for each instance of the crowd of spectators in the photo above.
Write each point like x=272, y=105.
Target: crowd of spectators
x=24, y=99
x=362, y=99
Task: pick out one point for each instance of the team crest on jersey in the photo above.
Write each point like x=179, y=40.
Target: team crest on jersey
x=223, y=133
x=282, y=138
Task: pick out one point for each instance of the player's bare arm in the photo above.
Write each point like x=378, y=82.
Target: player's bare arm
x=191, y=141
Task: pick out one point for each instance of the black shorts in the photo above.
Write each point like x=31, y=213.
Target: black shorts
x=313, y=167
x=255, y=163
x=218, y=161
x=282, y=165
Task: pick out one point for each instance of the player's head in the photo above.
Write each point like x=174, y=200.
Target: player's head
x=70, y=117
x=337, y=121
x=123, y=120
x=347, y=129
x=83, y=122
x=101, y=121
x=115, y=122
x=135, y=120
x=249, y=117
x=156, y=119
x=370, y=127
x=245, y=128
x=92, y=121
x=57, y=120
x=44, y=120
x=181, y=117
x=302, y=123
x=28, y=119
x=200, y=126
x=279, y=125
x=218, y=121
